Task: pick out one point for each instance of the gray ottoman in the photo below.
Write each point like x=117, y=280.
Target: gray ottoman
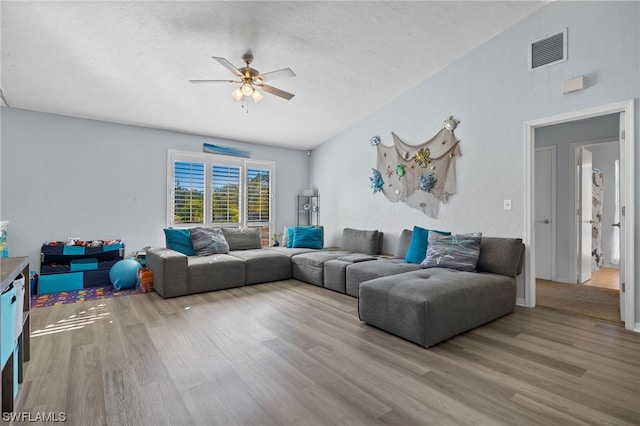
x=431, y=305
x=309, y=267
x=335, y=271
x=359, y=272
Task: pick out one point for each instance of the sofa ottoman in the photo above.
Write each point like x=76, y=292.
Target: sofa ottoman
x=431, y=305
x=358, y=272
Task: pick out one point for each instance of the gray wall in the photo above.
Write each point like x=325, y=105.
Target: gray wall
x=563, y=136
x=493, y=94
x=67, y=177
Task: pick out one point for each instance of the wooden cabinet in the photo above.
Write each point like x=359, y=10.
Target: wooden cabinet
x=11, y=268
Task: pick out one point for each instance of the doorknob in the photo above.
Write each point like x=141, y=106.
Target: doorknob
x=588, y=221
x=616, y=224
x=546, y=221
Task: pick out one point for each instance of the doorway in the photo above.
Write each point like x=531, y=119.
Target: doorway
x=593, y=162
x=625, y=111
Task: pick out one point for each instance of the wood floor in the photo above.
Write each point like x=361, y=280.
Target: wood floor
x=289, y=353
x=606, y=278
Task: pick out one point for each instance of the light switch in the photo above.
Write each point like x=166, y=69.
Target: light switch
x=507, y=204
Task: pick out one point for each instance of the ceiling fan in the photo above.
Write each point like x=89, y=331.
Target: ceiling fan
x=250, y=79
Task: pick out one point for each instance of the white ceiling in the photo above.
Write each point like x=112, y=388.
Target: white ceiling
x=129, y=62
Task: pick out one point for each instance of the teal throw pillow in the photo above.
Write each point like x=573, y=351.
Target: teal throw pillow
x=419, y=242
x=290, y=231
x=307, y=237
x=179, y=239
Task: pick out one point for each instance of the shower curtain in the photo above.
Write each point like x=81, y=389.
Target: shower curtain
x=596, y=230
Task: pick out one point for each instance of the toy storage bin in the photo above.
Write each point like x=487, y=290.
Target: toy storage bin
x=84, y=264
x=7, y=332
x=55, y=283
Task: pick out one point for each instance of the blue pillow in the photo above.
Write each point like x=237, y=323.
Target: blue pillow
x=179, y=240
x=290, y=232
x=304, y=237
x=419, y=242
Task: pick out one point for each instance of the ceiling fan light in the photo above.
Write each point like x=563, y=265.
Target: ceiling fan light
x=257, y=96
x=247, y=89
x=237, y=94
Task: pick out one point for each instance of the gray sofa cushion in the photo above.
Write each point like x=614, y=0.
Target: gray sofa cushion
x=215, y=272
x=403, y=244
x=290, y=252
x=359, y=241
x=356, y=257
x=263, y=266
x=242, y=239
x=309, y=267
x=500, y=255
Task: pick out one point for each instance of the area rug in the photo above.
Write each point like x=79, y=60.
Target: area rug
x=87, y=294
x=595, y=302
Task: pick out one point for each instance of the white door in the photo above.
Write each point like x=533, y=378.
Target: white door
x=544, y=188
x=621, y=213
x=585, y=222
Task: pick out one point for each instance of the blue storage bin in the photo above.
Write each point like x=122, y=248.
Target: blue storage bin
x=60, y=282
x=84, y=265
x=7, y=333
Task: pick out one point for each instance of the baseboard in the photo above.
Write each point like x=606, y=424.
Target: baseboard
x=520, y=301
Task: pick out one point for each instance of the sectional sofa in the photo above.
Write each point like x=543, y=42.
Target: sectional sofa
x=425, y=306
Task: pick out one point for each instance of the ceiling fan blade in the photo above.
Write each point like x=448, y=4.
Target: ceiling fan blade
x=214, y=81
x=228, y=65
x=283, y=73
x=275, y=91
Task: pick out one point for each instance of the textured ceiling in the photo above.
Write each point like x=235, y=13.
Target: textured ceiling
x=129, y=62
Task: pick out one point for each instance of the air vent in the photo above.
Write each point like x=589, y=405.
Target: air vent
x=547, y=51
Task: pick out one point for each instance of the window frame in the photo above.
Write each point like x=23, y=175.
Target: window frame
x=209, y=160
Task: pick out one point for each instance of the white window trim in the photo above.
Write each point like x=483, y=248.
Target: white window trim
x=209, y=160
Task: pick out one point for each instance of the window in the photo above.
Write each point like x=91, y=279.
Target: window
x=214, y=190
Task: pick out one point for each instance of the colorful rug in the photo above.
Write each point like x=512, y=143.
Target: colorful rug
x=75, y=296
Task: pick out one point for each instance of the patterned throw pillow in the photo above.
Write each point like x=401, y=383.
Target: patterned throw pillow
x=208, y=241
x=459, y=251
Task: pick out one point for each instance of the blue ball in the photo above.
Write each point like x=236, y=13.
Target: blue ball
x=124, y=274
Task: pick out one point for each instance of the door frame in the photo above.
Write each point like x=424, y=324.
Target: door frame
x=551, y=148
x=573, y=188
x=529, y=217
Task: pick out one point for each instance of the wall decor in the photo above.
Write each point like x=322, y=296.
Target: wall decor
x=224, y=150
x=421, y=176
x=376, y=181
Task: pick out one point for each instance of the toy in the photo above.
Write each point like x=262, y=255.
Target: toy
x=124, y=274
